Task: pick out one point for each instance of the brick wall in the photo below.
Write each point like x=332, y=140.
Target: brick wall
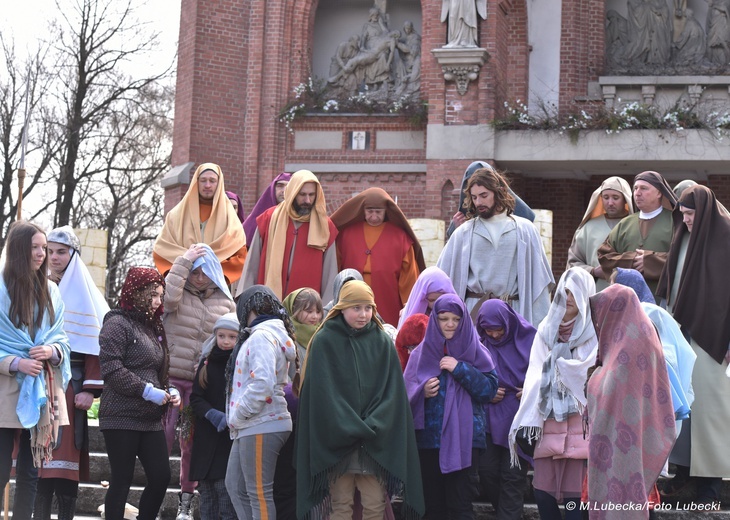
x=407, y=187
x=582, y=42
x=239, y=61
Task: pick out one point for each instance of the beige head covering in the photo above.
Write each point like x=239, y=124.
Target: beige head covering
x=319, y=231
x=354, y=292
x=595, y=206
x=223, y=231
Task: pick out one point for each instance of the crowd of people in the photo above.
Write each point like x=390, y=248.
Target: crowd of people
x=312, y=367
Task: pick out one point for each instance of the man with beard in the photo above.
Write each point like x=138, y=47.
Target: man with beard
x=291, y=246
x=641, y=241
x=497, y=254
x=608, y=205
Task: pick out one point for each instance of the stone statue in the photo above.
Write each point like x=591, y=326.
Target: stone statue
x=377, y=46
x=617, y=37
x=372, y=65
x=408, y=80
x=650, y=32
x=379, y=63
x=718, y=32
x=690, y=47
x=347, y=82
x=462, y=17
x=680, y=18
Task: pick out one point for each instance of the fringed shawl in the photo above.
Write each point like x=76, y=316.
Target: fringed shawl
x=570, y=373
x=353, y=397
x=17, y=342
x=631, y=418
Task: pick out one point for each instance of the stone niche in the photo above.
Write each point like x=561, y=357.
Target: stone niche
x=667, y=37
x=358, y=52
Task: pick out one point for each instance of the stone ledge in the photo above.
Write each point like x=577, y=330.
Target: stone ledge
x=663, y=80
x=678, y=155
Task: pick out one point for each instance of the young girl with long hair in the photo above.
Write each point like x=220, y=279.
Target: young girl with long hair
x=34, y=361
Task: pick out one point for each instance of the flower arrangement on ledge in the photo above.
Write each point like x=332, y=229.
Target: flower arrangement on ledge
x=626, y=116
x=310, y=97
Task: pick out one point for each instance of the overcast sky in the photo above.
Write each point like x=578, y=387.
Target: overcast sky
x=27, y=20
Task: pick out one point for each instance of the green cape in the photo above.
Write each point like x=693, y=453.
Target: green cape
x=354, y=397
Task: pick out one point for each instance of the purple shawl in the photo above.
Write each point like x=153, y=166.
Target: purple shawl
x=239, y=210
x=431, y=279
x=266, y=201
x=511, y=355
x=457, y=430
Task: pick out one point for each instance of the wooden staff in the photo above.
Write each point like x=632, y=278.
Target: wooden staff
x=23, y=149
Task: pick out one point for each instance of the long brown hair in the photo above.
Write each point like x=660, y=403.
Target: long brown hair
x=305, y=300
x=494, y=182
x=27, y=288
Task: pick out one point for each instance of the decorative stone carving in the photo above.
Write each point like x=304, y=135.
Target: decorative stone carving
x=689, y=47
x=461, y=65
x=462, y=21
x=381, y=64
x=663, y=37
x=408, y=78
x=718, y=32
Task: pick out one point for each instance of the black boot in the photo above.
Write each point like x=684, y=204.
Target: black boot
x=66, y=507
x=43, y=504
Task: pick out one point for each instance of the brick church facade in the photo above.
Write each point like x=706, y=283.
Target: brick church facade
x=240, y=59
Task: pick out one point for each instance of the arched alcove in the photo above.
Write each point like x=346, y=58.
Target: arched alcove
x=337, y=20
x=449, y=201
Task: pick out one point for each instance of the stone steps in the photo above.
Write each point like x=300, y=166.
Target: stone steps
x=91, y=495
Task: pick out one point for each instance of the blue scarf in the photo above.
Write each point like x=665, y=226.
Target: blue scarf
x=211, y=266
x=17, y=342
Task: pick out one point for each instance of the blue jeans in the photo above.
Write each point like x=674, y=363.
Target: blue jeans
x=250, y=474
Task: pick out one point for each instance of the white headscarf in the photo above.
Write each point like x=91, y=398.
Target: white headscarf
x=85, y=307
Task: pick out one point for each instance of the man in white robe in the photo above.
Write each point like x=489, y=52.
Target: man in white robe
x=497, y=254
x=608, y=205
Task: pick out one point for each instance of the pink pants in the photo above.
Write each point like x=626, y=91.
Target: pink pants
x=185, y=388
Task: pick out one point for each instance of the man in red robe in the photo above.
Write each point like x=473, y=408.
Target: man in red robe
x=291, y=245
x=376, y=240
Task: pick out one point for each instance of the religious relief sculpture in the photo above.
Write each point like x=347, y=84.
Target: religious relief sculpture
x=665, y=37
x=718, y=32
x=381, y=64
x=462, y=21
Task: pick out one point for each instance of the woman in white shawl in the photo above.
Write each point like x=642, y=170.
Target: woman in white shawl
x=553, y=398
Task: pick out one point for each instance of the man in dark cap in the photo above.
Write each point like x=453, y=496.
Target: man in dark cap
x=641, y=240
